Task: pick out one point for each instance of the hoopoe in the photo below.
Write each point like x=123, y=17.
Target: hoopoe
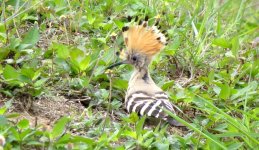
x=143, y=95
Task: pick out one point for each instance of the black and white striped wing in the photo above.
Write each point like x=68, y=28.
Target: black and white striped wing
x=144, y=104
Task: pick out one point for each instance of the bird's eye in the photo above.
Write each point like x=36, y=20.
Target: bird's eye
x=134, y=58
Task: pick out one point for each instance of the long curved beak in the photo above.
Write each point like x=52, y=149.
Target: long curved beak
x=116, y=64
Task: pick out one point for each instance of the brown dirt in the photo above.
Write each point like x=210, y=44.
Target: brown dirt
x=45, y=111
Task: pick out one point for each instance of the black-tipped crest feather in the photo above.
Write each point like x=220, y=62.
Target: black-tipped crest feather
x=146, y=18
x=129, y=18
x=125, y=28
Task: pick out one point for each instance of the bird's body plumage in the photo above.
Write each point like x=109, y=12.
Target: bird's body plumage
x=146, y=98
x=143, y=95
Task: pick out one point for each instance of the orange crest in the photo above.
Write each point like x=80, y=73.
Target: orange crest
x=144, y=39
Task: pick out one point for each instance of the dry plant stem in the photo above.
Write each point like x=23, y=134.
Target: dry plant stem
x=36, y=122
x=17, y=32
x=70, y=22
x=52, y=60
x=5, y=24
x=14, y=22
x=47, y=32
x=110, y=94
x=80, y=15
x=192, y=76
x=65, y=28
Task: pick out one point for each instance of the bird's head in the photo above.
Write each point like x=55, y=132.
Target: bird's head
x=142, y=43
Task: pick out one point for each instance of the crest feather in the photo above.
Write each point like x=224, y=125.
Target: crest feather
x=148, y=40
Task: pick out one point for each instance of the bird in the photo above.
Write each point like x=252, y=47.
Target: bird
x=143, y=96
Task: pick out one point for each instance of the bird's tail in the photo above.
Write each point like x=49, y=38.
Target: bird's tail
x=173, y=122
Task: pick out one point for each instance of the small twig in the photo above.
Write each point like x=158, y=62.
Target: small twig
x=66, y=32
x=35, y=122
x=191, y=77
x=110, y=93
x=16, y=29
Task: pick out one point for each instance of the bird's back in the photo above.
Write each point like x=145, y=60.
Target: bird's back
x=146, y=98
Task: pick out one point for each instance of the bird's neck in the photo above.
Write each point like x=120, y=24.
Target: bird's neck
x=141, y=74
x=141, y=81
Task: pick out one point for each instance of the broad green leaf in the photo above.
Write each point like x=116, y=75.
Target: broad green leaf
x=120, y=84
x=115, y=135
x=107, y=26
x=2, y=110
x=2, y=33
x=2, y=28
x=36, y=75
x=15, y=43
x=15, y=134
x=10, y=73
x=23, y=124
x=76, y=55
x=119, y=24
x=140, y=124
x=40, y=82
x=120, y=148
x=63, y=64
x=129, y=133
x=167, y=85
x=75, y=67
x=59, y=127
x=211, y=77
x=64, y=139
x=225, y=91
x=84, y=64
x=149, y=141
x=134, y=117
x=24, y=79
x=24, y=46
x=221, y=127
x=28, y=72
x=62, y=50
x=222, y=43
x=26, y=133
x=90, y=18
x=85, y=140
x=4, y=52
x=31, y=37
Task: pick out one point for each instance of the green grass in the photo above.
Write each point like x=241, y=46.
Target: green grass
x=210, y=69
